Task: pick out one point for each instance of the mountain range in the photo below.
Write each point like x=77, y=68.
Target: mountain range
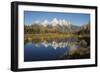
x=56, y=25
x=54, y=22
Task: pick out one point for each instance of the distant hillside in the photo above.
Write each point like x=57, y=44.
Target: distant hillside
x=85, y=29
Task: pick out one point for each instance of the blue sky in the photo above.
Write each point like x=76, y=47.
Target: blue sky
x=75, y=18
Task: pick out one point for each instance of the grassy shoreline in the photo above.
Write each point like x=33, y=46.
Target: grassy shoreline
x=50, y=36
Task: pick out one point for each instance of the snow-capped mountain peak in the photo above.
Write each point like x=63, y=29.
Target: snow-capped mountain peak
x=54, y=22
x=45, y=23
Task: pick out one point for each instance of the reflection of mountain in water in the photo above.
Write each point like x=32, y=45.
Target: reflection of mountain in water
x=47, y=50
x=54, y=44
x=41, y=52
x=55, y=50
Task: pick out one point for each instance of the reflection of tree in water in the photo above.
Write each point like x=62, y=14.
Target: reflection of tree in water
x=79, y=50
